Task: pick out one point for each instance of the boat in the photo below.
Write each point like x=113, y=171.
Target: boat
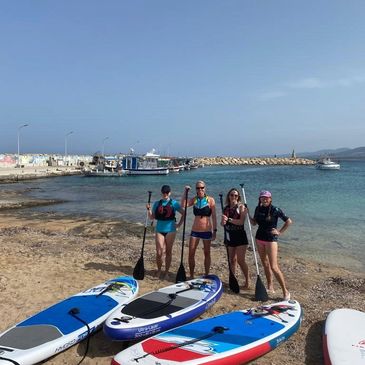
x=325, y=163
x=143, y=165
x=105, y=172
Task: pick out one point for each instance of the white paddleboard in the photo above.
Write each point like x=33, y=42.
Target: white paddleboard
x=62, y=325
x=344, y=338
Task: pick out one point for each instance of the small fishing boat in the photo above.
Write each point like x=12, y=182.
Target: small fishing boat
x=325, y=163
x=143, y=165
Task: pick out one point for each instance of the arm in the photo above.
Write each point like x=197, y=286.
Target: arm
x=240, y=221
x=182, y=212
x=151, y=215
x=285, y=226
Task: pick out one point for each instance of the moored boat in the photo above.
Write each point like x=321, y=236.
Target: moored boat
x=143, y=165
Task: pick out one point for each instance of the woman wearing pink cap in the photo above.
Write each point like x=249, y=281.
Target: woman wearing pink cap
x=266, y=217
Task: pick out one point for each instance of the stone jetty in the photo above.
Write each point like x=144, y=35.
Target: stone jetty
x=262, y=161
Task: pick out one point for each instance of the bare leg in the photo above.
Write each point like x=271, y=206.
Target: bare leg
x=207, y=259
x=160, y=247
x=169, y=241
x=266, y=264
x=241, y=259
x=272, y=251
x=193, y=244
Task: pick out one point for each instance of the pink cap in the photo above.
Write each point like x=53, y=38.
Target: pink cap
x=265, y=193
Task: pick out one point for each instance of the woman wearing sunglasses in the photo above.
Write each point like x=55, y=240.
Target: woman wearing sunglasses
x=164, y=212
x=233, y=218
x=204, y=226
x=266, y=217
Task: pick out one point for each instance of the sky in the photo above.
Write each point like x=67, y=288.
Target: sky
x=187, y=78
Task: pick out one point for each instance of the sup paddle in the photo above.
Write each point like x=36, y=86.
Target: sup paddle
x=138, y=272
x=260, y=290
x=181, y=274
x=233, y=283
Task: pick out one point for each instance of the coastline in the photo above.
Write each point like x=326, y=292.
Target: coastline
x=13, y=174
x=46, y=258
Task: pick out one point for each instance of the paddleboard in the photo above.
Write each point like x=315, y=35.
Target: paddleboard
x=228, y=339
x=64, y=324
x=163, y=309
x=344, y=337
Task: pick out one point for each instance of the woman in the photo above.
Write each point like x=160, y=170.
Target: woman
x=164, y=212
x=233, y=218
x=204, y=226
x=266, y=216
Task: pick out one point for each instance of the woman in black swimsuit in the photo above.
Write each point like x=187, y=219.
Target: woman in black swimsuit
x=233, y=218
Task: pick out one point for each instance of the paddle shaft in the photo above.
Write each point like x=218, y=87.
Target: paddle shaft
x=250, y=230
x=146, y=224
x=184, y=223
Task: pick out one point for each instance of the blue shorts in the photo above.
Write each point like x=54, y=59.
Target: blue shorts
x=203, y=235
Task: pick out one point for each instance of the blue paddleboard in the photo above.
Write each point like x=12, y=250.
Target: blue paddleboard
x=64, y=324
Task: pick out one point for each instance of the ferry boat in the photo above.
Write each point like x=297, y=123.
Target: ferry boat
x=143, y=165
x=325, y=163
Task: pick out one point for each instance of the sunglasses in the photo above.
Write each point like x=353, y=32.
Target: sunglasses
x=233, y=194
x=200, y=187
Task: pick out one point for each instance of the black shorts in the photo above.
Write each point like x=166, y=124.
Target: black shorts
x=236, y=238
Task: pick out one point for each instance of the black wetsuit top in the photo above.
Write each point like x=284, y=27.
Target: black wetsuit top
x=267, y=219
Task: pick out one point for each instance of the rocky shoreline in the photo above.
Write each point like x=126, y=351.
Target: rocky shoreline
x=262, y=161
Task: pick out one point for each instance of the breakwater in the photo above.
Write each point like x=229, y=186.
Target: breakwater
x=262, y=161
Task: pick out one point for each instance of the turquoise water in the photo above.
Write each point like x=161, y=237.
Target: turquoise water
x=327, y=207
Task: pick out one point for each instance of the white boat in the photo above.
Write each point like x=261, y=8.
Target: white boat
x=105, y=173
x=325, y=163
x=143, y=165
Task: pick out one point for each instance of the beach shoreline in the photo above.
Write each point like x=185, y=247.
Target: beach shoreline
x=46, y=258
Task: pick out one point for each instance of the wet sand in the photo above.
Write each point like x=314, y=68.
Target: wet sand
x=45, y=258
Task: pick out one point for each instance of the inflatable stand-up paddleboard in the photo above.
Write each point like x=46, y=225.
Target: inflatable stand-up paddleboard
x=64, y=324
x=163, y=309
x=228, y=339
x=344, y=337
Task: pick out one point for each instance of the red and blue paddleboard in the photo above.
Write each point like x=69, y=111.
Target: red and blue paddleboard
x=229, y=339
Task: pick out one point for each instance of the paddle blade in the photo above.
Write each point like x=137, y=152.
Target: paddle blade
x=138, y=272
x=233, y=283
x=260, y=291
x=181, y=275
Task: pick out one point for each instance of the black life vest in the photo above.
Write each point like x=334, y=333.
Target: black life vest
x=165, y=212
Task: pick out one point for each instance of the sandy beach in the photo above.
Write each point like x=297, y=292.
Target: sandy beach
x=46, y=258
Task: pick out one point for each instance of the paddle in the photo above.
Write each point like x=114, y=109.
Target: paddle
x=181, y=275
x=260, y=290
x=138, y=272
x=233, y=283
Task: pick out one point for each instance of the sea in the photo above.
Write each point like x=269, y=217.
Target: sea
x=327, y=207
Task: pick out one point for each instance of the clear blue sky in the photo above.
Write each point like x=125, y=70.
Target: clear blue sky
x=197, y=78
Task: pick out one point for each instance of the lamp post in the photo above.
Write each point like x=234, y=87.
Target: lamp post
x=19, y=128
x=104, y=145
x=66, y=144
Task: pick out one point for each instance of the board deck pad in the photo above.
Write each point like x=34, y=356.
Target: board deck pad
x=163, y=309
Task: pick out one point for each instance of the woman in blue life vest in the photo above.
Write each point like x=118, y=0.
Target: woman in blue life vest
x=266, y=217
x=233, y=218
x=204, y=226
x=164, y=211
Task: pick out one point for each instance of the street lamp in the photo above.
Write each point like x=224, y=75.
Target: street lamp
x=66, y=142
x=104, y=145
x=19, y=128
